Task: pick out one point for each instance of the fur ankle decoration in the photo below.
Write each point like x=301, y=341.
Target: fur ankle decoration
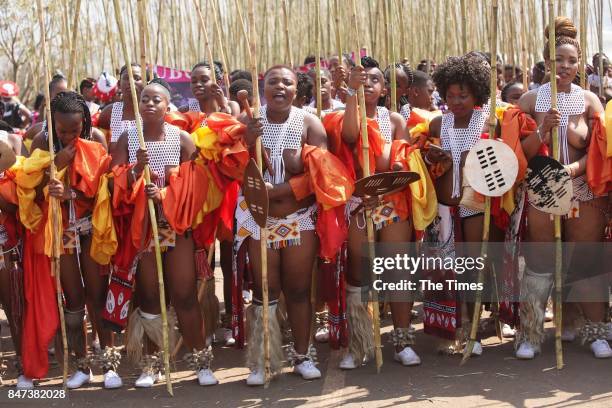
x=593, y=331
x=361, y=333
x=322, y=319
x=295, y=358
x=83, y=363
x=153, y=363
x=403, y=337
x=198, y=360
x=255, y=351
x=109, y=359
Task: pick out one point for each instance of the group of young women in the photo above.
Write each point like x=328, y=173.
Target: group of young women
x=315, y=224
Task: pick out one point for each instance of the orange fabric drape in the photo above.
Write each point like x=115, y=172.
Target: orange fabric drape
x=184, y=195
x=187, y=121
x=333, y=126
x=515, y=126
x=599, y=165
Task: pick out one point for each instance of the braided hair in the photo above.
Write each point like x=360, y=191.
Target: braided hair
x=206, y=64
x=70, y=102
x=409, y=74
x=565, y=33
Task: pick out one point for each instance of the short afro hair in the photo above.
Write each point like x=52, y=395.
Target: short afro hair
x=468, y=71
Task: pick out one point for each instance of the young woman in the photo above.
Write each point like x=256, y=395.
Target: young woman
x=80, y=275
x=167, y=147
x=293, y=244
x=208, y=96
x=328, y=103
x=57, y=84
x=404, y=78
x=391, y=225
x=512, y=92
x=119, y=116
x=575, y=117
x=463, y=83
x=11, y=274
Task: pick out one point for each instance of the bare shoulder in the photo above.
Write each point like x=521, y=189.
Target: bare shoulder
x=435, y=125
x=592, y=103
x=39, y=142
x=105, y=116
x=98, y=136
x=33, y=130
x=528, y=100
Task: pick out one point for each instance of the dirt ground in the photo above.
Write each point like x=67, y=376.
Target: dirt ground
x=496, y=379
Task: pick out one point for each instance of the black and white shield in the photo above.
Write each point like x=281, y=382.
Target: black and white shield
x=491, y=167
x=549, y=186
x=255, y=193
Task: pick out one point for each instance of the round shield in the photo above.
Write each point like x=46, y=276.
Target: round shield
x=7, y=156
x=384, y=183
x=255, y=193
x=549, y=186
x=491, y=167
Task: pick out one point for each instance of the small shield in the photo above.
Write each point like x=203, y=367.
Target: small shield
x=255, y=193
x=7, y=156
x=384, y=183
x=549, y=186
x=491, y=168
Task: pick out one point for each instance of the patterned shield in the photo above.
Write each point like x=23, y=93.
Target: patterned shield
x=491, y=167
x=549, y=186
x=7, y=156
x=384, y=183
x=255, y=193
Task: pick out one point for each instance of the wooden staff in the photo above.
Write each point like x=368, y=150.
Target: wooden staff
x=142, y=25
x=147, y=176
x=220, y=36
x=557, y=219
x=600, y=41
x=467, y=353
x=54, y=204
x=244, y=31
x=318, y=57
x=524, y=47
x=464, y=41
x=211, y=62
x=75, y=31
x=368, y=214
x=583, y=35
x=392, y=59
x=263, y=232
x=288, y=57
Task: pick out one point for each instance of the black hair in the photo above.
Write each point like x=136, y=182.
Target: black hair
x=506, y=89
x=369, y=62
x=324, y=71
x=540, y=66
x=206, y=64
x=464, y=70
x=160, y=81
x=309, y=59
x=219, y=64
x=70, y=102
x=304, y=87
x=57, y=78
x=404, y=68
x=279, y=66
x=239, y=85
x=86, y=83
x=419, y=79
x=124, y=68
x=240, y=74
x=6, y=127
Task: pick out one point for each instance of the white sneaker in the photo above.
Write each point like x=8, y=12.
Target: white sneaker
x=322, y=334
x=147, y=380
x=548, y=315
x=24, y=383
x=228, y=337
x=568, y=335
x=477, y=349
x=526, y=351
x=601, y=349
x=206, y=377
x=78, y=379
x=307, y=370
x=348, y=362
x=112, y=380
x=256, y=377
x=407, y=357
x=508, y=331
